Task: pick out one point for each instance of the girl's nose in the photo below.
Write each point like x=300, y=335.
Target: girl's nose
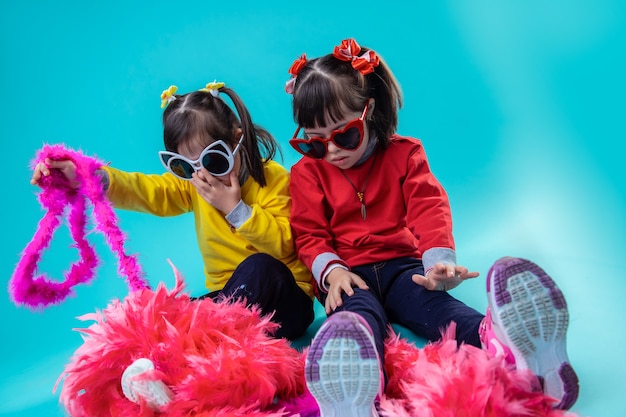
x=331, y=147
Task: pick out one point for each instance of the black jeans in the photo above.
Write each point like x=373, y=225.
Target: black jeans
x=394, y=297
x=267, y=282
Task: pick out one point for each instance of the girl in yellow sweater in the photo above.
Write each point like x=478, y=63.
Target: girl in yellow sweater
x=220, y=167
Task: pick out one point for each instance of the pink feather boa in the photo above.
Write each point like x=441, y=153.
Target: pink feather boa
x=56, y=195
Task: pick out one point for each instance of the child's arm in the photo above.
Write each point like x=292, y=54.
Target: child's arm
x=158, y=194
x=428, y=213
x=311, y=228
x=429, y=218
x=262, y=215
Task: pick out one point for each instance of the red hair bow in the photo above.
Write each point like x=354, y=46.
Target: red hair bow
x=294, y=70
x=349, y=51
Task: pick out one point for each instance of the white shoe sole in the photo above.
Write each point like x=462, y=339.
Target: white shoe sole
x=342, y=368
x=530, y=312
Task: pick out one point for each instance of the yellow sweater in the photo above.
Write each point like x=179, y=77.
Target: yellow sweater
x=222, y=246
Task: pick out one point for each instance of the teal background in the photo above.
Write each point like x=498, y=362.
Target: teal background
x=520, y=106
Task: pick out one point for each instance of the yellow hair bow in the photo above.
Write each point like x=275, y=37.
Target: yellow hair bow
x=167, y=96
x=213, y=87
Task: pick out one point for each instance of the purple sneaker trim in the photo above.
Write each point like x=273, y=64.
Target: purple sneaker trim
x=570, y=386
x=340, y=326
x=530, y=314
x=509, y=267
x=343, y=368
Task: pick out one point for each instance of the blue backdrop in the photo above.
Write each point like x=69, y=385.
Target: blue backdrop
x=520, y=106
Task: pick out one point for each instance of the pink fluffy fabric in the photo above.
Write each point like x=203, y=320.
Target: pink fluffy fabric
x=218, y=359
x=63, y=200
x=445, y=381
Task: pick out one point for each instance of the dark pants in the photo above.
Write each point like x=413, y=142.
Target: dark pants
x=268, y=283
x=394, y=297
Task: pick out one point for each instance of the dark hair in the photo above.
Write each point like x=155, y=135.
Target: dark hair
x=201, y=116
x=326, y=86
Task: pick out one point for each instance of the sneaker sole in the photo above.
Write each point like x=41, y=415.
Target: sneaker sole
x=342, y=368
x=531, y=311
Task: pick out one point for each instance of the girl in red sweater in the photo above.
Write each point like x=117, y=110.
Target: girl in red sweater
x=373, y=224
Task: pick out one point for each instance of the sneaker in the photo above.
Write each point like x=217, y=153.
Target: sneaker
x=154, y=392
x=491, y=336
x=342, y=369
x=526, y=322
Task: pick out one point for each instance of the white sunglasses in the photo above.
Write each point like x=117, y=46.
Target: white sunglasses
x=217, y=158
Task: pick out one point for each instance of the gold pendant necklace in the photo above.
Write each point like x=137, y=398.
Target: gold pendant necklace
x=361, y=194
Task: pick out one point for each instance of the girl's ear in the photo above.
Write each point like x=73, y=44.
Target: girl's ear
x=237, y=132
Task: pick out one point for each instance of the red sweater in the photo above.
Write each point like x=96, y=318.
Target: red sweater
x=407, y=209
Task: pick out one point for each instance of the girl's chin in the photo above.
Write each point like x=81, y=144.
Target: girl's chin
x=341, y=163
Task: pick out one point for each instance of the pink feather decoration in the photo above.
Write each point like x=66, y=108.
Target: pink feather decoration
x=56, y=195
x=441, y=380
x=218, y=359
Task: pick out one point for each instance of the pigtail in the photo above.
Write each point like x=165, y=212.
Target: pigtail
x=259, y=145
x=383, y=87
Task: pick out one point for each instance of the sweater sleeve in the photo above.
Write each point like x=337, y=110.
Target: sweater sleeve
x=428, y=210
x=161, y=195
x=314, y=242
x=267, y=228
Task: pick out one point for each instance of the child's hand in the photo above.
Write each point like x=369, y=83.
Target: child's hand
x=444, y=277
x=66, y=167
x=341, y=280
x=223, y=193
